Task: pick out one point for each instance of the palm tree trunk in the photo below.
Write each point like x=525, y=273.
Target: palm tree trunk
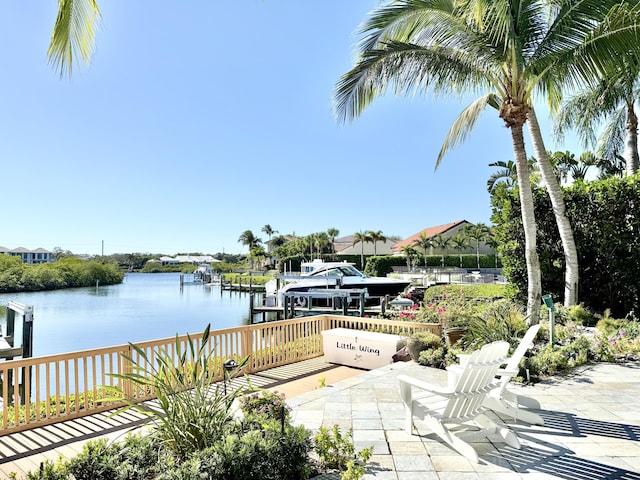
x=631, y=144
x=534, y=288
x=559, y=210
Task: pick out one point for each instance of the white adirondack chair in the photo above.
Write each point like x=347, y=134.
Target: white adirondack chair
x=501, y=400
x=446, y=410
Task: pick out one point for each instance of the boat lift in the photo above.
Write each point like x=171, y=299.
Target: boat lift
x=344, y=294
x=8, y=347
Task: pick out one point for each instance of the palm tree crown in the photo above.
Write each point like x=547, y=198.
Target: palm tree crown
x=507, y=49
x=249, y=239
x=375, y=237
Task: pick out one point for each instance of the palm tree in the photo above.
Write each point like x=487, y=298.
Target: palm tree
x=613, y=101
x=333, y=233
x=410, y=252
x=249, y=239
x=320, y=242
x=425, y=243
x=441, y=242
x=376, y=236
x=565, y=230
x=361, y=237
x=73, y=34
x=478, y=232
x=460, y=243
x=269, y=231
x=507, y=174
x=493, y=243
x=508, y=50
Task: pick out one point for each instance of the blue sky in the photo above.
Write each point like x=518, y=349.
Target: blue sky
x=198, y=120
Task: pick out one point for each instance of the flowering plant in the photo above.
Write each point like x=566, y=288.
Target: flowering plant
x=265, y=402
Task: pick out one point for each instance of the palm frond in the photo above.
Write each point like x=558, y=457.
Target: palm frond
x=613, y=134
x=73, y=34
x=463, y=125
x=401, y=20
x=604, y=49
x=409, y=68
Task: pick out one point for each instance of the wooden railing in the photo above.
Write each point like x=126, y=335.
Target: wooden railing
x=43, y=390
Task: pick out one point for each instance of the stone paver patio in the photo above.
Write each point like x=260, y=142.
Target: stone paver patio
x=591, y=431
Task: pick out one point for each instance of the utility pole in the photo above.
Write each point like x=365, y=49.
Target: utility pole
x=103, y=248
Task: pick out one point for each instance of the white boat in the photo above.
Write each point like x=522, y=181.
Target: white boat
x=339, y=275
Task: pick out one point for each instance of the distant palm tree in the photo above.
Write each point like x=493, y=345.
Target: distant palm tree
x=73, y=34
x=410, y=252
x=442, y=242
x=333, y=233
x=361, y=237
x=376, y=237
x=249, y=239
x=460, y=243
x=493, y=243
x=477, y=232
x=269, y=231
x=425, y=243
x=320, y=241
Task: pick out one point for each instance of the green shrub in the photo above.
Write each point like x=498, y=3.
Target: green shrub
x=265, y=403
x=554, y=359
x=548, y=361
x=336, y=451
x=252, y=450
x=617, y=339
x=582, y=316
x=98, y=460
x=467, y=292
x=421, y=341
x=49, y=471
x=434, y=357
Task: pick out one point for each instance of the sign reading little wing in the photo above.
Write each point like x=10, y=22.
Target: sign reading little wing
x=357, y=348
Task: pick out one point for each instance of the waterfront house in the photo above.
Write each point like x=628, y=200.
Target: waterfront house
x=30, y=257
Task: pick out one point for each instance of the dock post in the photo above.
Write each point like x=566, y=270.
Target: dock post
x=251, y=302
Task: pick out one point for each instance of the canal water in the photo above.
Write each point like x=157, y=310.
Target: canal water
x=144, y=307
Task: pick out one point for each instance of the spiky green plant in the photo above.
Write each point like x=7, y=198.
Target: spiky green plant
x=191, y=410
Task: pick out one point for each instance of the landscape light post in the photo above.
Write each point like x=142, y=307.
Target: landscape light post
x=548, y=301
x=229, y=366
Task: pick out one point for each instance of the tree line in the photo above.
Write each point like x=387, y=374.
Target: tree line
x=67, y=272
